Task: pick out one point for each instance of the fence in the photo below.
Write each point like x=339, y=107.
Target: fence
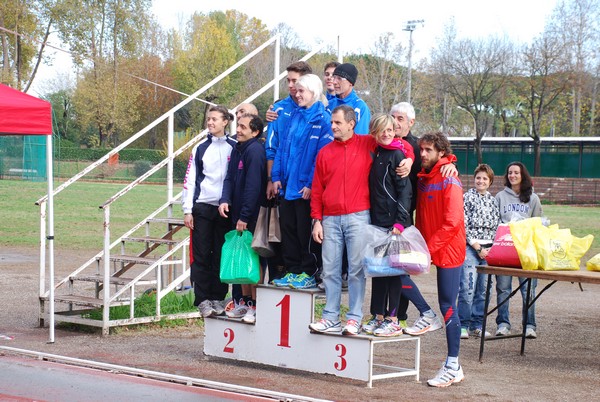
x=558, y=190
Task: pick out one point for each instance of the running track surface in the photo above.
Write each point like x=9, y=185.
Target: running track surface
x=28, y=379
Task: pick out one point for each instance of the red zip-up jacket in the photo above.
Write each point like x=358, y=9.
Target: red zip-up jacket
x=440, y=215
x=341, y=180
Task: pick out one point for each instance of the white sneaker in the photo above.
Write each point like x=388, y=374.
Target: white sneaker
x=464, y=333
x=446, y=377
x=503, y=331
x=250, y=317
x=325, y=326
x=239, y=311
x=477, y=332
x=530, y=333
x=423, y=325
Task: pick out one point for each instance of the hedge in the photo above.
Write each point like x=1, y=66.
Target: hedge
x=93, y=154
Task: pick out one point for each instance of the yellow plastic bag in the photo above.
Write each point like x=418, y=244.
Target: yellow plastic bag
x=553, y=249
x=522, y=234
x=594, y=263
x=580, y=246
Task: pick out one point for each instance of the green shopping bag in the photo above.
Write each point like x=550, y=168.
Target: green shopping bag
x=239, y=263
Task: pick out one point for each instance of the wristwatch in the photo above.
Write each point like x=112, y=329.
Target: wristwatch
x=316, y=220
x=478, y=250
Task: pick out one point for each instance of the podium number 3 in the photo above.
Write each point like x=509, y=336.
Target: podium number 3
x=341, y=365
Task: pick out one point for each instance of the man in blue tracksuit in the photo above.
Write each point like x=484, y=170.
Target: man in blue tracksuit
x=344, y=78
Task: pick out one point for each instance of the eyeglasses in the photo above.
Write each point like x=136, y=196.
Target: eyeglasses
x=338, y=78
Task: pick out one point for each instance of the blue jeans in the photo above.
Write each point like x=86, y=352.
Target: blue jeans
x=471, y=295
x=337, y=231
x=503, y=290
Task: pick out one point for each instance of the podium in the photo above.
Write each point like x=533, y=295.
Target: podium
x=281, y=337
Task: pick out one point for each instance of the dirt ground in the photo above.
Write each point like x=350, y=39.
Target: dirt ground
x=562, y=364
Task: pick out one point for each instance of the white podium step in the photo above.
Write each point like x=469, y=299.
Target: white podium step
x=281, y=338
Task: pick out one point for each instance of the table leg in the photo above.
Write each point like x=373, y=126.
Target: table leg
x=488, y=290
x=525, y=314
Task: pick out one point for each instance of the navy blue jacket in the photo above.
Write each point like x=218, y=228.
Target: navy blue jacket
x=245, y=185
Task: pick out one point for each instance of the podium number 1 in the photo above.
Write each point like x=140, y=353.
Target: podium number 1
x=284, y=330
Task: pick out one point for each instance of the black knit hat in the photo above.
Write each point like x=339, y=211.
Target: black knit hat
x=347, y=71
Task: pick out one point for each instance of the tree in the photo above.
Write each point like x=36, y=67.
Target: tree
x=543, y=65
x=577, y=23
x=103, y=37
x=250, y=33
x=24, y=24
x=114, y=116
x=59, y=92
x=381, y=79
x=472, y=71
x=202, y=52
x=153, y=78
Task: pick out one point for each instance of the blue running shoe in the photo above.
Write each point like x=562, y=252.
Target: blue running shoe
x=303, y=281
x=285, y=281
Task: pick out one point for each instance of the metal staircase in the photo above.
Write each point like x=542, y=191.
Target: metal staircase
x=153, y=255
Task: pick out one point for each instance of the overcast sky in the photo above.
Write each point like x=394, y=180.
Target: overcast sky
x=359, y=27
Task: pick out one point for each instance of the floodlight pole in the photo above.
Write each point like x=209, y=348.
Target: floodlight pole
x=410, y=27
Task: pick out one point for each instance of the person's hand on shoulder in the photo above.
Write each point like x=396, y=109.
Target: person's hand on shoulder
x=449, y=170
x=271, y=115
x=404, y=167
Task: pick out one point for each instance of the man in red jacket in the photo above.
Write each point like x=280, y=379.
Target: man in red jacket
x=340, y=210
x=440, y=218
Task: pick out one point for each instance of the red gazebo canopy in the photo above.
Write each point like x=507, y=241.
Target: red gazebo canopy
x=22, y=114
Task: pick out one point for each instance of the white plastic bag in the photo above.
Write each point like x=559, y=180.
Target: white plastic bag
x=387, y=254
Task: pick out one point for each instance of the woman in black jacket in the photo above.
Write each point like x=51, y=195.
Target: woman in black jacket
x=390, y=205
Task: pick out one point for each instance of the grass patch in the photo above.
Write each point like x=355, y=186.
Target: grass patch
x=320, y=305
x=581, y=220
x=145, y=306
x=78, y=220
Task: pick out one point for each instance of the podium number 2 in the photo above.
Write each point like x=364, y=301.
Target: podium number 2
x=284, y=330
x=229, y=334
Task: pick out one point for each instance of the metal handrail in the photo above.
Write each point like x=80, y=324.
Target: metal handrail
x=150, y=172
x=159, y=120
